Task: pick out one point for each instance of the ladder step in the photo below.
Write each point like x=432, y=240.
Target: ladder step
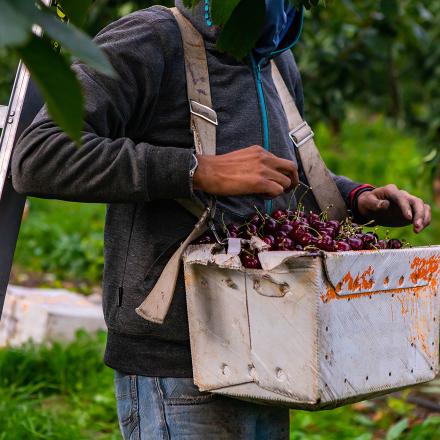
x=3, y=115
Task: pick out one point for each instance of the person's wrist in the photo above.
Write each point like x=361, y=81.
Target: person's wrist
x=356, y=195
x=360, y=206
x=199, y=176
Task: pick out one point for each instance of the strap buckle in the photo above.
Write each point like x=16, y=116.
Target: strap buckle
x=203, y=111
x=301, y=134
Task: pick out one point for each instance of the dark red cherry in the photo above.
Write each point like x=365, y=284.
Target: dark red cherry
x=250, y=262
x=343, y=246
x=270, y=226
x=327, y=231
x=355, y=243
x=305, y=239
x=279, y=235
x=326, y=243
x=285, y=244
x=313, y=218
x=334, y=224
x=381, y=244
x=278, y=215
x=249, y=231
x=270, y=240
x=369, y=239
x=206, y=239
x=287, y=228
x=394, y=243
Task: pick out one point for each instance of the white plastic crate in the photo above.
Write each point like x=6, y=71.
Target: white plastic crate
x=313, y=332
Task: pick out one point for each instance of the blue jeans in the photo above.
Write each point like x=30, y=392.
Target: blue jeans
x=153, y=408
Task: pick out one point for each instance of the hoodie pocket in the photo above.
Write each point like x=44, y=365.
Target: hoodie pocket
x=132, y=296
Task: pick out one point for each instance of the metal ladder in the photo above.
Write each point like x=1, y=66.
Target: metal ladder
x=24, y=104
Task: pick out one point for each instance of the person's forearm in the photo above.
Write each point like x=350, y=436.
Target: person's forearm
x=46, y=163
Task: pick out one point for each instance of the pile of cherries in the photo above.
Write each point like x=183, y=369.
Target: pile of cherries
x=298, y=231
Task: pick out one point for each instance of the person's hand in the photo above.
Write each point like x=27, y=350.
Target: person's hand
x=390, y=206
x=251, y=170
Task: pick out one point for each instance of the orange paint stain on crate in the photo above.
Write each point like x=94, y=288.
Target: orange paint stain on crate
x=423, y=269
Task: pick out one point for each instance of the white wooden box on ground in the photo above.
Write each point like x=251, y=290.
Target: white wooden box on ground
x=313, y=332
x=41, y=315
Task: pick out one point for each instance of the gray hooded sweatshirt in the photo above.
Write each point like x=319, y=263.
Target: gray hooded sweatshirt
x=136, y=157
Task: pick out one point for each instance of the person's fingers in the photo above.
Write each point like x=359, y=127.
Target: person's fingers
x=284, y=166
x=401, y=199
x=272, y=189
x=280, y=178
x=427, y=217
x=418, y=209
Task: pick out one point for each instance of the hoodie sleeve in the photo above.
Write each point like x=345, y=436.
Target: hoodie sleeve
x=109, y=167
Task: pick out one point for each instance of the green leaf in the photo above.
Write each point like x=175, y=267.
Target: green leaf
x=72, y=39
x=222, y=10
x=397, y=429
x=15, y=28
x=243, y=28
x=58, y=84
x=76, y=10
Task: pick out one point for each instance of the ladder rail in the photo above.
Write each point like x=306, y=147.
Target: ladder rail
x=12, y=119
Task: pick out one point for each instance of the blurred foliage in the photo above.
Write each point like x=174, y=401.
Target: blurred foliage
x=62, y=239
x=21, y=25
x=64, y=391
x=380, y=55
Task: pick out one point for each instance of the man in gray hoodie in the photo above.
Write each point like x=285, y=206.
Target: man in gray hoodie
x=136, y=156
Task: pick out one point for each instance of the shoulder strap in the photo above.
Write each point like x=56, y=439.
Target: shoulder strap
x=203, y=125
x=323, y=186
x=203, y=117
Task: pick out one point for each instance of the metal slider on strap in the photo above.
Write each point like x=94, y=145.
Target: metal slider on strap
x=203, y=111
x=301, y=134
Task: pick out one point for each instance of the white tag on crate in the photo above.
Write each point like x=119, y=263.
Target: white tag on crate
x=234, y=246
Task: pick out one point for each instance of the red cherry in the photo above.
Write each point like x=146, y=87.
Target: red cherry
x=233, y=228
x=327, y=231
x=326, y=243
x=334, y=224
x=250, y=231
x=305, y=239
x=355, y=243
x=382, y=244
x=343, y=246
x=205, y=239
x=270, y=240
x=250, y=262
x=369, y=239
x=270, y=226
x=255, y=220
x=313, y=218
x=287, y=228
x=285, y=244
x=278, y=215
x=394, y=243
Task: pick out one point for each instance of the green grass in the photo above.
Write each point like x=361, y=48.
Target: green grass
x=57, y=392
x=66, y=392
